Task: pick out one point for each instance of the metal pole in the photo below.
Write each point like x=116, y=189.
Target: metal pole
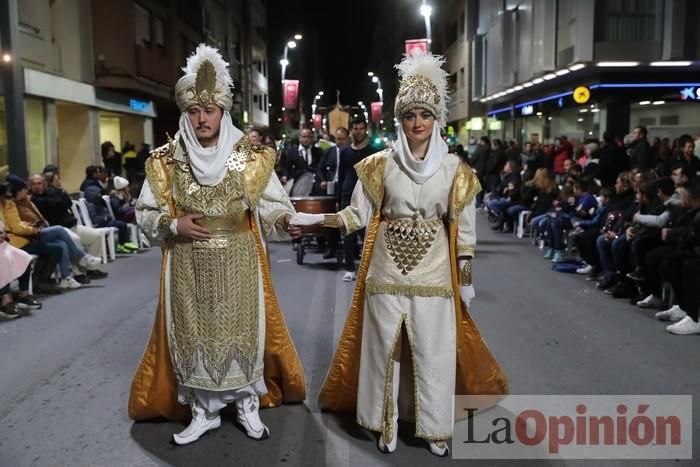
x=13, y=81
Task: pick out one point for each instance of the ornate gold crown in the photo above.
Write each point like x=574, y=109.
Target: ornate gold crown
x=423, y=85
x=206, y=80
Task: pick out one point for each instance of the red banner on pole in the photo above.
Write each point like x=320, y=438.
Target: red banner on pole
x=291, y=93
x=376, y=111
x=414, y=45
x=318, y=121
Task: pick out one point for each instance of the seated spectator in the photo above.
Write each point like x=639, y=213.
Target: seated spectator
x=14, y=264
x=620, y=202
x=585, y=206
x=54, y=204
x=538, y=195
x=680, y=174
x=679, y=266
x=111, y=159
x=633, y=237
x=687, y=158
x=94, y=176
x=563, y=206
x=643, y=244
x=678, y=239
x=583, y=225
x=506, y=194
x=99, y=215
x=121, y=201
x=23, y=210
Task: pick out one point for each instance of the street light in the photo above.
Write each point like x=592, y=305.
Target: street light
x=380, y=91
x=285, y=62
x=370, y=73
x=425, y=11
x=7, y=58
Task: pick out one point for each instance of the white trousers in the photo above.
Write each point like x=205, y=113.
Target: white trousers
x=430, y=326
x=91, y=238
x=214, y=401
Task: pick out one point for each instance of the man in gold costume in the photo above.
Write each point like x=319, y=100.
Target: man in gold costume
x=211, y=197
x=408, y=330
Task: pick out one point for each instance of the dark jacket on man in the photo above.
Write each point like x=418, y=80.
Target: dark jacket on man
x=641, y=156
x=295, y=165
x=55, y=205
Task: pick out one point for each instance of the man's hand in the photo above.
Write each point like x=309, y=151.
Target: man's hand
x=628, y=233
x=636, y=216
x=610, y=235
x=189, y=229
x=283, y=180
x=294, y=231
x=324, y=185
x=664, y=234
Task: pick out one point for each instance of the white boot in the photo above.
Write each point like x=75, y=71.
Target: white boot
x=389, y=438
x=249, y=419
x=200, y=424
x=439, y=448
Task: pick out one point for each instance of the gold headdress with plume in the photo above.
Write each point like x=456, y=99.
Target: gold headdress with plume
x=423, y=85
x=206, y=80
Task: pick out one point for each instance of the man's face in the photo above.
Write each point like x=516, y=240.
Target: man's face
x=688, y=149
x=568, y=164
x=636, y=134
x=678, y=178
x=359, y=132
x=306, y=137
x=342, y=139
x=206, y=122
x=37, y=184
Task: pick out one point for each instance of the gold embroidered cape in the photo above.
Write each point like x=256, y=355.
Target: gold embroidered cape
x=477, y=371
x=154, y=387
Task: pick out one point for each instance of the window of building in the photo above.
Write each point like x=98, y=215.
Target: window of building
x=266, y=102
x=142, y=25
x=159, y=32
x=461, y=78
x=460, y=23
x=668, y=120
x=628, y=20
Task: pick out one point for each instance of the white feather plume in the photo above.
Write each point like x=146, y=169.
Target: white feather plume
x=206, y=52
x=430, y=66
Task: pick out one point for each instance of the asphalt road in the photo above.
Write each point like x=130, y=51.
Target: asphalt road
x=66, y=370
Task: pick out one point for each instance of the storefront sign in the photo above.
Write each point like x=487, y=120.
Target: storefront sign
x=376, y=111
x=690, y=94
x=139, y=106
x=291, y=93
x=414, y=45
x=527, y=110
x=582, y=94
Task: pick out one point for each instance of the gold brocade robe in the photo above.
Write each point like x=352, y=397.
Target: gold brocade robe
x=477, y=372
x=154, y=390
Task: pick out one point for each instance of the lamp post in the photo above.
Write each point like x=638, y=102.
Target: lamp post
x=380, y=91
x=425, y=11
x=317, y=97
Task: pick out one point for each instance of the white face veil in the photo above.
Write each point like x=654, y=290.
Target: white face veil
x=209, y=164
x=420, y=171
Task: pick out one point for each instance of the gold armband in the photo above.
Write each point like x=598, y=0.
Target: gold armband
x=164, y=225
x=465, y=274
x=331, y=221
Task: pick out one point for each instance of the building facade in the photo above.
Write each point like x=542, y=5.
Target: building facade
x=546, y=68
x=96, y=71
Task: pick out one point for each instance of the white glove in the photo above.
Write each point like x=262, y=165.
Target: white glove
x=302, y=219
x=467, y=293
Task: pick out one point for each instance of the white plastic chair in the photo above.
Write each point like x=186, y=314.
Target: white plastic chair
x=520, y=228
x=133, y=228
x=108, y=245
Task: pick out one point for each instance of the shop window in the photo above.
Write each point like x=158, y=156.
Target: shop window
x=646, y=121
x=628, y=20
x=669, y=120
x=142, y=25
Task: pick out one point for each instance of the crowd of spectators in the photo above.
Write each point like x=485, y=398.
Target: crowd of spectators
x=39, y=219
x=624, y=213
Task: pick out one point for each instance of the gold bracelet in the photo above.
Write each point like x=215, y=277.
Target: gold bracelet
x=465, y=274
x=330, y=221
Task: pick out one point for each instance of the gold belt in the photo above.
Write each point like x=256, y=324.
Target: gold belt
x=226, y=225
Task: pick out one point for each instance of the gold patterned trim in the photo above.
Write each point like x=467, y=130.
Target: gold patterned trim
x=227, y=384
x=349, y=220
x=259, y=169
x=465, y=186
x=388, y=409
x=330, y=221
x=370, y=171
x=465, y=274
x=164, y=222
x=409, y=290
x=466, y=250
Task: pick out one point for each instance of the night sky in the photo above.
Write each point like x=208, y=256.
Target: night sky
x=342, y=42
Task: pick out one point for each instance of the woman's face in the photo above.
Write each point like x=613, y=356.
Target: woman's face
x=418, y=126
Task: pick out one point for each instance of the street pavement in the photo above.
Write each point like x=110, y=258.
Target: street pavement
x=67, y=369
